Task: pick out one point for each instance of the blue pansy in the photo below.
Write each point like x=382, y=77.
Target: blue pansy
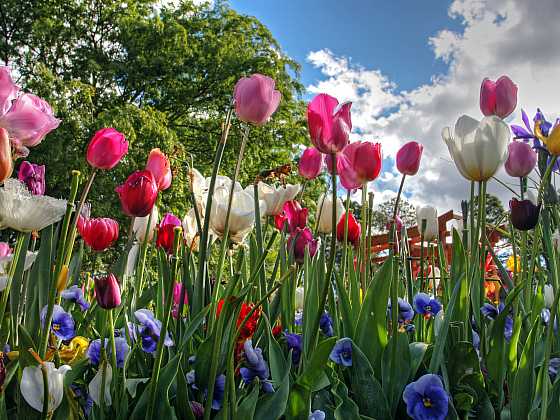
x=94, y=351
x=62, y=324
x=426, y=398
x=294, y=342
x=491, y=312
x=406, y=313
x=326, y=324
x=341, y=353
x=255, y=367
x=148, y=331
x=75, y=294
x=426, y=305
x=219, y=388
x=317, y=415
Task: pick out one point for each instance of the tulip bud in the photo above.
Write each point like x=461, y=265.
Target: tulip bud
x=107, y=291
x=408, y=158
x=429, y=214
x=33, y=176
x=524, y=214
x=256, y=99
x=329, y=124
x=100, y=233
x=5, y=249
x=354, y=229
x=138, y=194
x=106, y=148
x=498, y=98
x=310, y=163
x=521, y=159
x=62, y=279
x=166, y=232
x=303, y=240
x=141, y=225
x=325, y=210
x=548, y=292
x=158, y=165
x=6, y=163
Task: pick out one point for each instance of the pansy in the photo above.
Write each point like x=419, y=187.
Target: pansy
x=426, y=306
x=76, y=295
x=491, y=312
x=326, y=324
x=317, y=415
x=426, y=398
x=294, y=343
x=406, y=313
x=62, y=324
x=341, y=353
x=219, y=388
x=255, y=367
x=149, y=330
x=121, y=346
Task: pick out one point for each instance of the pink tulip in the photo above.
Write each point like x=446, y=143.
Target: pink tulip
x=33, y=176
x=138, y=194
x=329, y=124
x=256, y=99
x=106, y=148
x=8, y=90
x=408, y=158
x=158, y=164
x=6, y=162
x=5, y=249
x=310, y=163
x=346, y=174
x=303, y=240
x=521, y=159
x=177, y=290
x=99, y=233
x=293, y=214
x=365, y=159
x=498, y=98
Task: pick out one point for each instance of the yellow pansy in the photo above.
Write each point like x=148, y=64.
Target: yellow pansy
x=75, y=350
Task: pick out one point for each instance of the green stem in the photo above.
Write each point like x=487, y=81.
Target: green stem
x=45, y=413
x=111, y=326
x=11, y=273
x=363, y=244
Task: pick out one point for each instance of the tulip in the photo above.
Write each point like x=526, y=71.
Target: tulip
x=5, y=250
x=293, y=214
x=100, y=233
x=310, y=163
x=166, y=232
x=548, y=292
x=106, y=148
x=177, y=291
x=524, y=213
x=94, y=387
x=140, y=227
x=33, y=176
x=521, y=159
x=324, y=207
x=363, y=158
x=429, y=214
x=329, y=124
x=498, y=98
x=478, y=148
x=300, y=298
x=354, y=229
x=158, y=165
x=31, y=385
x=138, y=194
x=408, y=158
x=107, y=291
x=6, y=163
x=303, y=240
x=275, y=197
x=8, y=90
x=398, y=224
x=256, y=99
x=190, y=230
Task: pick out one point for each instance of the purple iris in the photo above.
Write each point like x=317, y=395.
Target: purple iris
x=148, y=331
x=256, y=367
x=294, y=342
x=75, y=294
x=426, y=306
x=341, y=353
x=219, y=388
x=317, y=415
x=491, y=312
x=426, y=398
x=326, y=324
x=62, y=324
x=406, y=313
x=94, y=351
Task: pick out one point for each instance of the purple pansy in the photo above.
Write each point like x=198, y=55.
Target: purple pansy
x=317, y=415
x=219, y=388
x=122, y=348
x=426, y=398
x=326, y=324
x=341, y=353
x=62, y=324
x=149, y=330
x=294, y=342
x=255, y=367
x=406, y=313
x=426, y=305
x=491, y=312
x=76, y=295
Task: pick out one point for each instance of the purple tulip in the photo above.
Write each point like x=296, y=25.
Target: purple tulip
x=329, y=124
x=33, y=176
x=521, y=159
x=498, y=98
x=107, y=291
x=311, y=163
x=426, y=398
x=256, y=99
x=341, y=353
x=303, y=240
x=62, y=324
x=524, y=214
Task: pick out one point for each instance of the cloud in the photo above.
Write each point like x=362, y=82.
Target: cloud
x=498, y=37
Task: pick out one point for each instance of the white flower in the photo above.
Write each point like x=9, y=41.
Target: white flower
x=5, y=264
x=324, y=211
x=429, y=214
x=548, y=292
x=190, y=230
x=556, y=239
x=22, y=211
x=141, y=224
x=132, y=260
x=94, y=386
x=299, y=298
x=478, y=148
x=31, y=385
x=242, y=214
x=275, y=197
x=438, y=322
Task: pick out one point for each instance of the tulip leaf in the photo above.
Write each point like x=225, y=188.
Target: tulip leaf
x=18, y=279
x=396, y=372
x=313, y=374
x=182, y=404
x=246, y=408
x=25, y=344
x=193, y=326
x=273, y=406
x=417, y=352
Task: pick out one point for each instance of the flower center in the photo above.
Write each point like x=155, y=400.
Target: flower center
x=427, y=402
x=428, y=308
x=55, y=327
x=346, y=355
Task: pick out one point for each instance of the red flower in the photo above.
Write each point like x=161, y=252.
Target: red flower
x=277, y=330
x=354, y=229
x=166, y=232
x=293, y=214
x=138, y=194
x=250, y=326
x=100, y=233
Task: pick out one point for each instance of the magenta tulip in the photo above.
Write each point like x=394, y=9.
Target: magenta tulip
x=166, y=232
x=33, y=176
x=158, y=164
x=106, y=148
x=364, y=158
x=303, y=240
x=138, y=194
x=329, y=124
x=8, y=90
x=293, y=215
x=521, y=159
x=5, y=249
x=498, y=98
x=107, y=291
x=6, y=162
x=256, y=99
x=354, y=229
x=408, y=158
x=310, y=163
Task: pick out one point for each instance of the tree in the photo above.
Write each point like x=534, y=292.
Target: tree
x=384, y=212
x=495, y=213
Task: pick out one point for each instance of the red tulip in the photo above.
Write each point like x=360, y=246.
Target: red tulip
x=329, y=124
x=293, y=215
x=6, y=162
x=138, y=194
x=33, y=176
x=408, y=158
x=107, y=291
x=166, y=232
x=158, y=165
x=310, y=163
x=100, y=233
x=303, y=240
x=256, y=99
x=354, y=229
x=106, y=148
x=498, y=98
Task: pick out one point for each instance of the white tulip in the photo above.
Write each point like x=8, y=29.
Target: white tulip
x=548, y=292
x=22, y=211
x=324, y=211
x=5, y=264
x=429, y=214
x=94, y=386
x=190, y=230
x=556, y=239
x=275, y=197
x=141, y=225
x=132, y=259
x=31, y=385
x=242, y=214
x=299, y=298
x=478, y=148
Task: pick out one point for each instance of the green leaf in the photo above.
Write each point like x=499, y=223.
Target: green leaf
x=278, y=363
x=417, y=352
x=313, y=374
x=246, y=408
x=396, y=372
x=182, y=404
x=272, y=406
x=193, y=326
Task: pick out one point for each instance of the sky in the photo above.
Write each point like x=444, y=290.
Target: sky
x=412, y=68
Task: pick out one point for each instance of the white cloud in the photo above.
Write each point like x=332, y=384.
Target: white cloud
x=513, y=37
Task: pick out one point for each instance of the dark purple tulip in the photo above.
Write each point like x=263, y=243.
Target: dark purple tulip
x=107, y=291
x=524, y=214
x=33, y=176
